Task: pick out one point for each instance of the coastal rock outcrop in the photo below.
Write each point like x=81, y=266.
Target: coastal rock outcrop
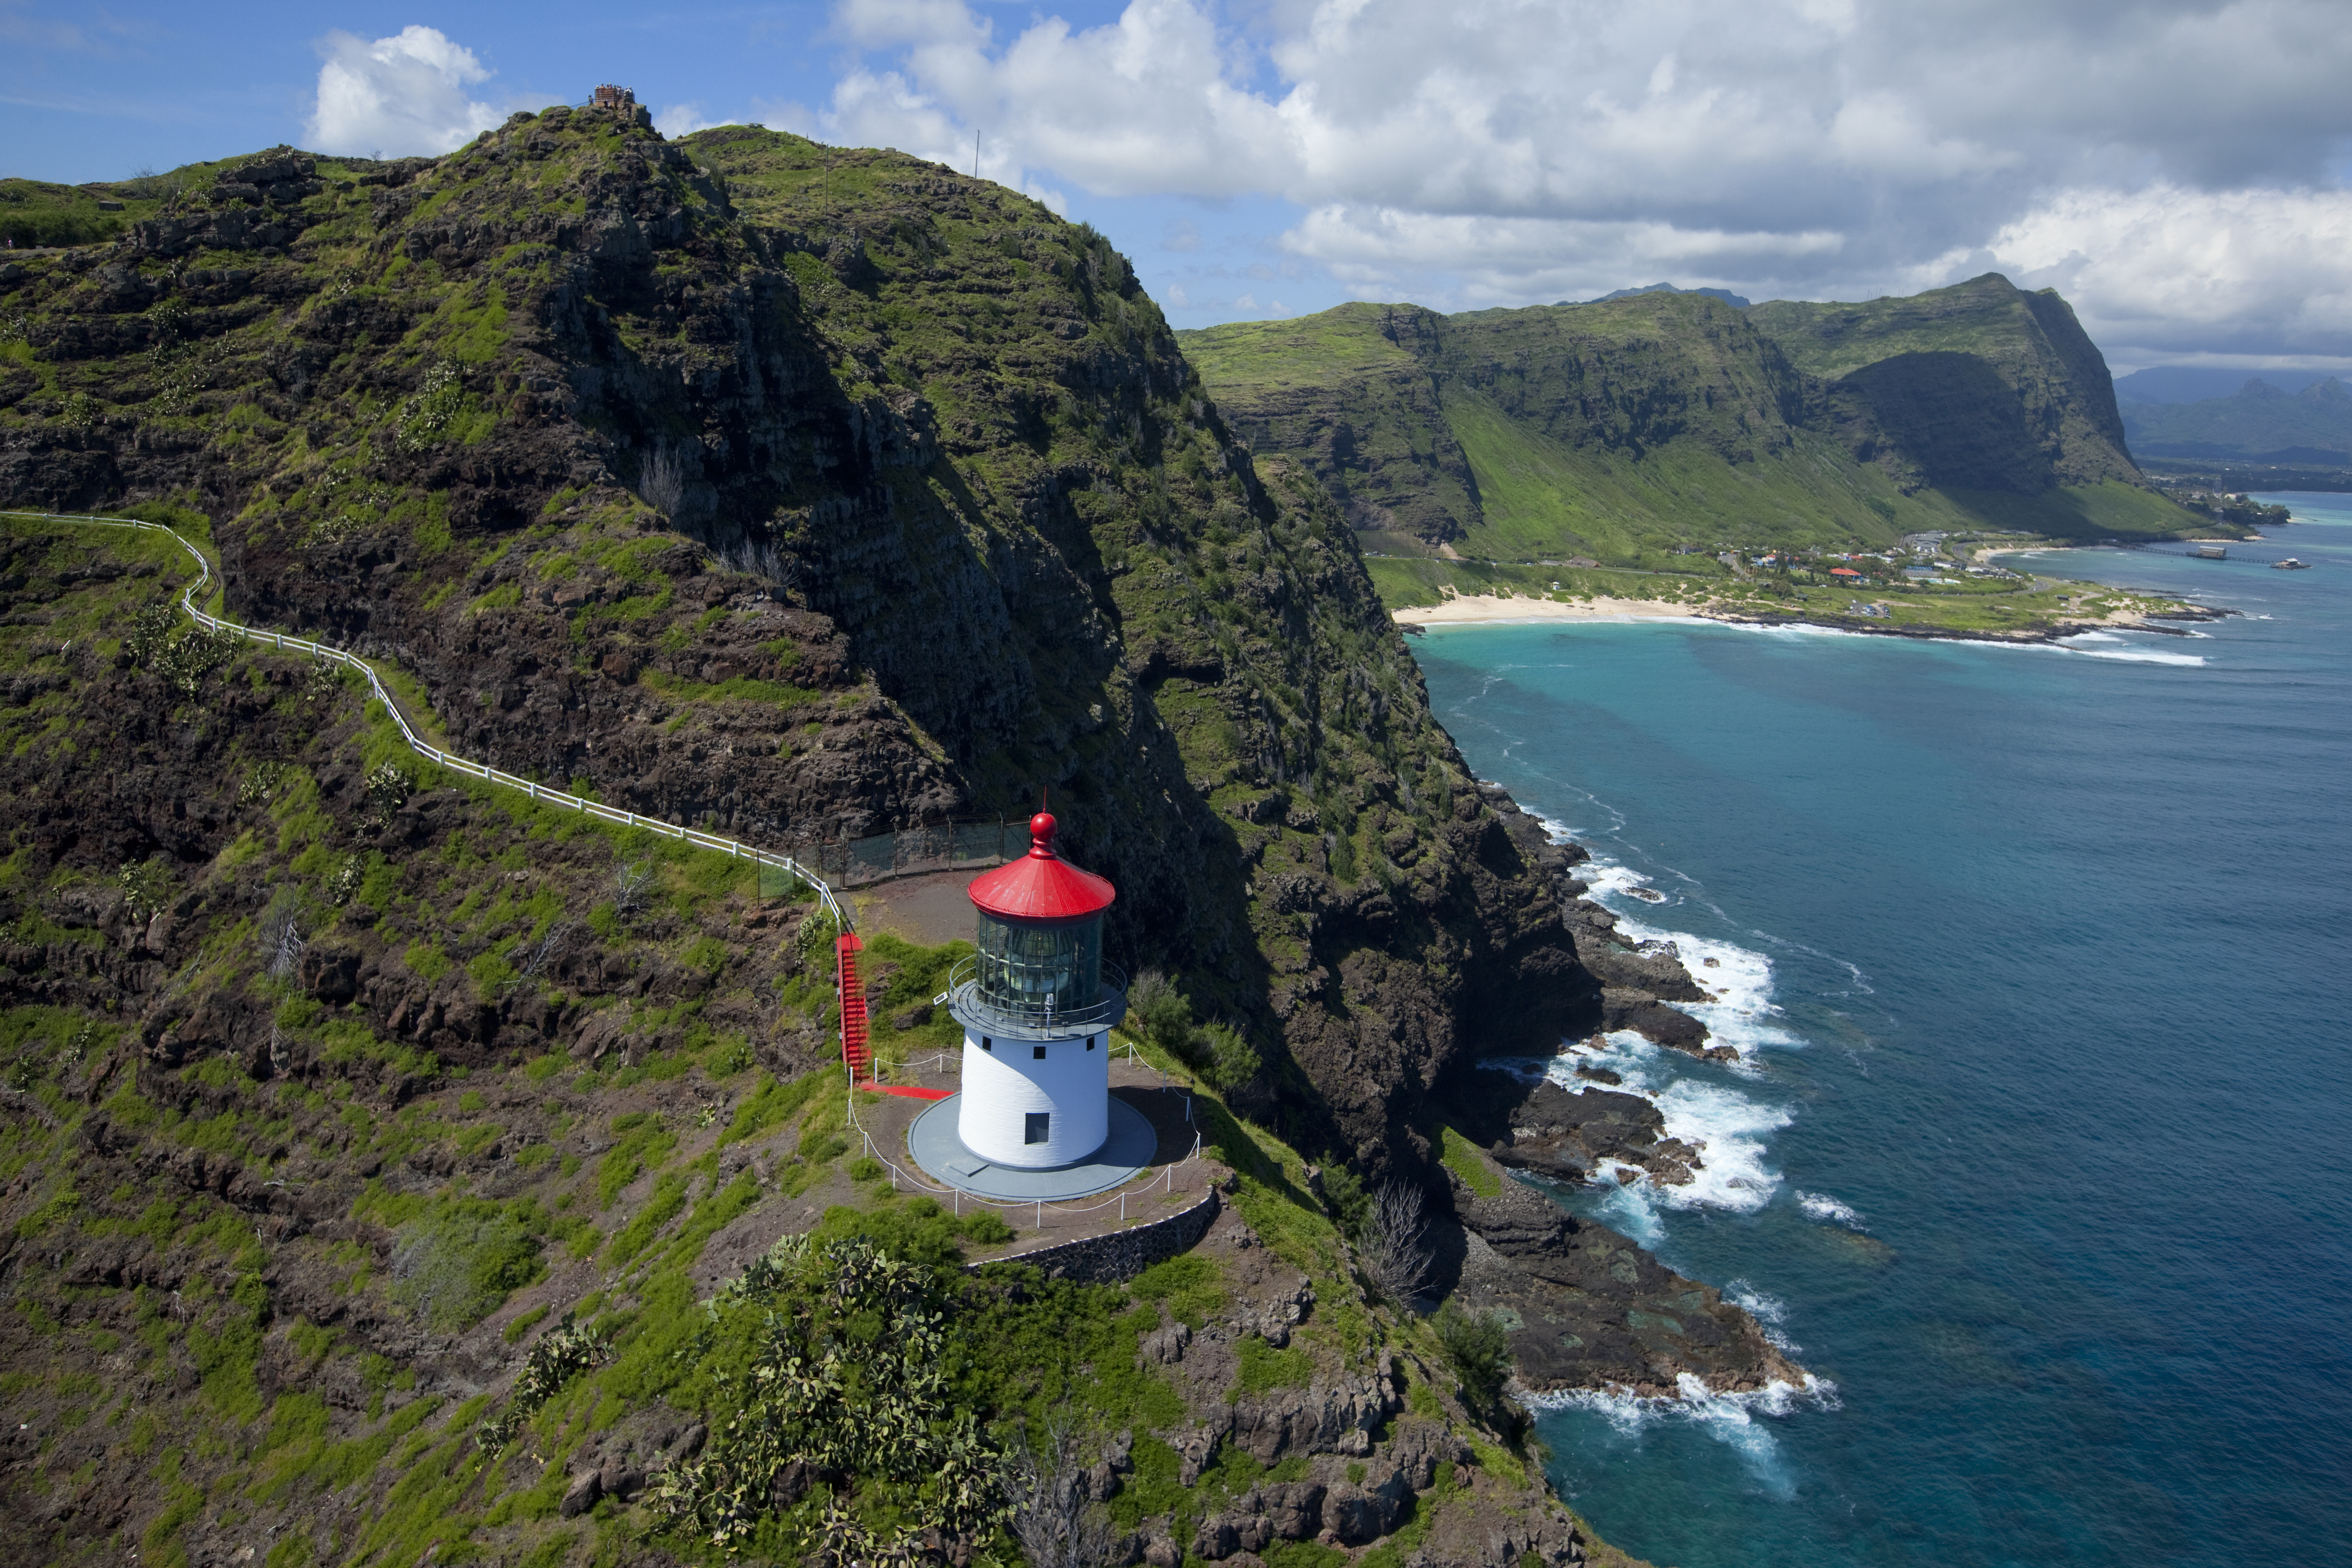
x=1586, y=1307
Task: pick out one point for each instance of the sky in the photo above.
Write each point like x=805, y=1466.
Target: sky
x=2182, y=172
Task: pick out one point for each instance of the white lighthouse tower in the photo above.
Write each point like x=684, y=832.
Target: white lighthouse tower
x=1037, y=1005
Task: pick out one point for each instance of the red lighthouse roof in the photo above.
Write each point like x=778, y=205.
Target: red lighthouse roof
x=1041, y=884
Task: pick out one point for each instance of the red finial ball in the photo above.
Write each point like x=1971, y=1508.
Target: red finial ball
x=1041, y=833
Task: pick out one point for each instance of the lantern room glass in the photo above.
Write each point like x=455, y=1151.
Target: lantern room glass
x=1037, y=971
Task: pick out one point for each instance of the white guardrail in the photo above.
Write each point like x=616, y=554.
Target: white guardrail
x=425, y=748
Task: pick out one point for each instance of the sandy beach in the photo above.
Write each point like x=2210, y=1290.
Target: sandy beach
x=1469, y=610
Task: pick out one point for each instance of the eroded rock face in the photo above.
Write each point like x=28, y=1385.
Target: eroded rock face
x=1637, y=980
x=1321, y=1419
x=1586, y=1307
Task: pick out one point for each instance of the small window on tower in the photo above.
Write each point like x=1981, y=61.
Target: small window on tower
x=1038, y=1128
x=987, y=1045
x=1038, y=1052
x=1090, y=1042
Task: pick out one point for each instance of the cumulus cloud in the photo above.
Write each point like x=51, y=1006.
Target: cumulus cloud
x=1513, y=150
x=398, y=96
x=683, y=120
x=2165, y=271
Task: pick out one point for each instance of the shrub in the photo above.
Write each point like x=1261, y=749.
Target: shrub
x=1393, y=1241
x=1477, y=1347
x=561, y=1354
x=1225, y=1054
x=841, y=1368
x=145, y=888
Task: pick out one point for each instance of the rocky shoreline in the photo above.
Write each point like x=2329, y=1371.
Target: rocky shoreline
x=1586, y=1307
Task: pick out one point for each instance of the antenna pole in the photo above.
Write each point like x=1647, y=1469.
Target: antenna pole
x=975, y=152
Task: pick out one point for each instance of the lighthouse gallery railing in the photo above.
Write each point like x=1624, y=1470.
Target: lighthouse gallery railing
x=964, y=994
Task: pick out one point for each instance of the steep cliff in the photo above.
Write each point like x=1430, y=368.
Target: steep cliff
x=1981, y=386
x=801, y=490
x=1637, y=429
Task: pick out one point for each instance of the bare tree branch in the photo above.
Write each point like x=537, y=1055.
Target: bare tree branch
x=1054, y=1519
x=662, y=481
x=1395, y=1248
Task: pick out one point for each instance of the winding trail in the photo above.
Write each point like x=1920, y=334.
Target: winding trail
x=733, y=849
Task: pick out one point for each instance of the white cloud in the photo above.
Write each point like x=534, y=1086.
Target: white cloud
x=398, y=96
x=2167, y=269
x=683, y=120
x=1520, y=150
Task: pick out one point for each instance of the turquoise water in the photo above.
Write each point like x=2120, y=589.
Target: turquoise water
x=2044, y=1163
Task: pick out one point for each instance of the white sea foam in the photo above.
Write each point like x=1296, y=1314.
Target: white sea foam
x=1730, y=1419
x=1739, y=1012
x=1829, y=1211
x=2142, y=656
x=1771, y=1313
x=1727, y=1128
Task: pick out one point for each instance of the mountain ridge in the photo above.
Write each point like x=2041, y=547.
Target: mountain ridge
x=2260, y=423
x=1644, y=427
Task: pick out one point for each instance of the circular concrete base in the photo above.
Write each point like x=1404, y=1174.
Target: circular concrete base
x=932, y=1141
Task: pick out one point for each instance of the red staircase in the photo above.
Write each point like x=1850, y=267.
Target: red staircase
x=854, y=1049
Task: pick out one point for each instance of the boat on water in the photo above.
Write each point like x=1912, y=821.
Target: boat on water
x=2290, y=565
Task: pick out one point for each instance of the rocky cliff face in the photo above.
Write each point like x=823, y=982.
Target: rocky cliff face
x=1632, y=425
x=1375, y=398
x=792, y=489
x=1981, y=386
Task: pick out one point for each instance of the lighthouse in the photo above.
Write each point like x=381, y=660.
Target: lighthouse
x=1037, y=1005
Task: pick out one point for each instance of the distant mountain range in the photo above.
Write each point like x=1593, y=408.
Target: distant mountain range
x=1661, y=421
x=2196, y=383
x=2260, y=421
x=1726, y=295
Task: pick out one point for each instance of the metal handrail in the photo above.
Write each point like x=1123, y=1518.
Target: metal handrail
x=904, y=1180
x=423, y=748
x=1110, y=1002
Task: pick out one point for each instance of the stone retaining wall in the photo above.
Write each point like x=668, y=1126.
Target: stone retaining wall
x=1122, y=1253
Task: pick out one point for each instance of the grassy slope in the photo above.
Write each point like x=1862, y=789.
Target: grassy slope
x=37, y=213
x=1985, y=317
x=262, y=1392
x=1252, y=358
x=1544, y=499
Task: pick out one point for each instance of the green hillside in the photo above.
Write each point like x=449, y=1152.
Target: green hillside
x=1649, y=431
x=371, y=1143
x=35, y=212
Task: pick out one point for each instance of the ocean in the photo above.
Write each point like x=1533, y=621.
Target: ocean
x=2040, y=1160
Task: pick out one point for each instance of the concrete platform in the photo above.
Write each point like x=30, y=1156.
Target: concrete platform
x=925, y=909
x=1124, y=1154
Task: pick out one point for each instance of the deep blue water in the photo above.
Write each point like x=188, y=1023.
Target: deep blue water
x=2046, y=1168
